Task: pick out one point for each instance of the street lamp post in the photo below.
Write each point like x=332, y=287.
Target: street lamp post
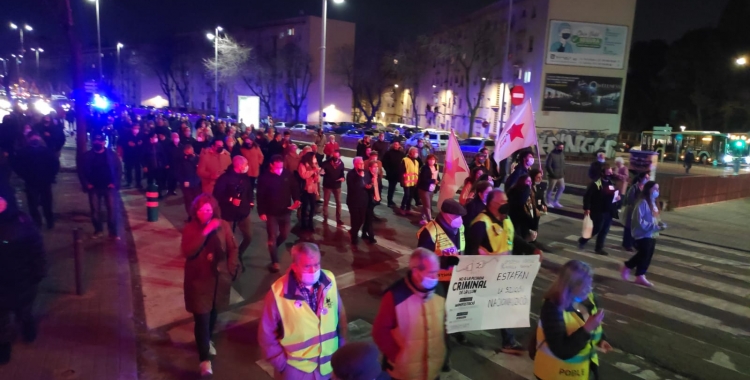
x=119, y=70
x=20, y=33
x=37, y=51
x=98, y=39
x=323, y=59
x=5, y=66
x=215, y=37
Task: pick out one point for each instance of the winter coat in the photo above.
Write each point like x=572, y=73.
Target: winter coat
x=234, y=192
x=154, y=156
x=22, y=261
x=392, y=164
x=276, y=193
x=522, y=209
x=254, y=158
x=37, y=165
x=131, y=147
x=88, y=173
x=201, y=283
x=427, y=178
x=332, y=174
x=599, y=196
x=186, y=170
x=291, y=161
x=513, y=177
x=362, y=149
x=555, y=165
x=53, y=136
x=210, y=166
x=330, y=147
x=381, y=147
x=310, y=178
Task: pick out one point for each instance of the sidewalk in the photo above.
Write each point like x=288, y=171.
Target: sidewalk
x=722, y=224
x=80, y=337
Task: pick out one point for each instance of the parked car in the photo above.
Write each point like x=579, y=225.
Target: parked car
x=376, y=126
x=329, y=126
x=438, y=139
x=344, y=127
x=473, y=145
x=356, y=134
x=281, y=125
x=401, y=128
x=298, y=128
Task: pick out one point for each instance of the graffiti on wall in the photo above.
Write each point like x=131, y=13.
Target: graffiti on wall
x=577, y=141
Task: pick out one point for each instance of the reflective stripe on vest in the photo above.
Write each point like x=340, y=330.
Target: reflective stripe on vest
x=412, y=172
x=444, y=245
x=548, y=367
x=314, y=338
x=501, y=239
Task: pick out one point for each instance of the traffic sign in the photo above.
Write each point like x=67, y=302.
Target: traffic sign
x=517, y=95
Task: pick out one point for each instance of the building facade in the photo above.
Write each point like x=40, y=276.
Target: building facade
x=570, y=56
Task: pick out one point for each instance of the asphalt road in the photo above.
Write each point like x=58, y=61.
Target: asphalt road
x=693, y=324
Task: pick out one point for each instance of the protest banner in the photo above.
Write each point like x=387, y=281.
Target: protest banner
x=490, y=292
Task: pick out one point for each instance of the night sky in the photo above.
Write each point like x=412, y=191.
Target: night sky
x=136, y=21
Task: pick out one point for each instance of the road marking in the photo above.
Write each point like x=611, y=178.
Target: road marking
x=687, y=295
x=721, y=359
x=675, y=313
x=675, y=275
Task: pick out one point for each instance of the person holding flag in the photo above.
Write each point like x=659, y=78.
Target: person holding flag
x=455, y=171
x=519, y=132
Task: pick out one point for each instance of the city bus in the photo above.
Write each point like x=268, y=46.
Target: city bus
x=707, y=146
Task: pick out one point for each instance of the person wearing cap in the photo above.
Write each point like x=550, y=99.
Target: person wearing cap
x=357, y=361
x=445, y=236
x=555, y=167
x=100, y=176
x=409, y=328
x=303, y=321
x=492, y=233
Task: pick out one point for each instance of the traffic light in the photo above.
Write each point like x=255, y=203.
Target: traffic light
x=739, y=144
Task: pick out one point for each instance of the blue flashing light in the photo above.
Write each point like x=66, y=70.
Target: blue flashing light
x=100, y=102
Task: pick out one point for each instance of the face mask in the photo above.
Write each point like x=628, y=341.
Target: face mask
x=644, y=181
x=654, y=195
x=176, y=141
x=429, y=283
x=481, y=159
x=97, y=146
x=457, y=223
x=600, y=160
x=565, y=36
x=219, y=149
x=530, y=162
x=154, y=141
x=309, y=278
x=245, y=169
x=278, y=171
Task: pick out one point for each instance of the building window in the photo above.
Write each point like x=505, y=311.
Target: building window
x=527, y=76
x=519, y=73
x=290, y=31
x=531, y=44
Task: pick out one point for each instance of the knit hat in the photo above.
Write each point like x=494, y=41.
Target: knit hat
x=356, y=361
x=451, y=206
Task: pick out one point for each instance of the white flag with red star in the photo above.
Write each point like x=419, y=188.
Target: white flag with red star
x=455, y=171
x=519, y=132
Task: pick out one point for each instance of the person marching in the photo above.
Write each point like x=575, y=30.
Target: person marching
x=187, y=176
x=445, y=236
x=409, y=176
x=645, y=229
x=234, y=192
x=427, y=185
x=569, y=331
x=303, y=321
x=599, y=203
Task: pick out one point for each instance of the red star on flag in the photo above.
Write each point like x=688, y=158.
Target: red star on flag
x=515, y=131
x=456, y=165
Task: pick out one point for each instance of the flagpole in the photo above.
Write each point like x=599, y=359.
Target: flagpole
x=538, y=156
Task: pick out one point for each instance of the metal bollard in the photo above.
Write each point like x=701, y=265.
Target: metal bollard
x=77, y=260
x=152, y=203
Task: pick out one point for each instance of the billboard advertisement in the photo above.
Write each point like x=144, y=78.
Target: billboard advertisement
x=580, y=93
x=584, y=44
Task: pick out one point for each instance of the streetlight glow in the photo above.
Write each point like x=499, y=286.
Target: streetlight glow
x=120, y=45
x=13, y=26
x=27, y=27
x=219, y=28
x=395, y=85
x=338, y=1
x=210, y=36
x=742, y=61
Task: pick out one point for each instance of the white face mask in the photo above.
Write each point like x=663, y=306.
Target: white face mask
x=309, y=279
x=176, y=141
x=245, y=169
x=530, y=162
x=278, y=171
x=457, y=222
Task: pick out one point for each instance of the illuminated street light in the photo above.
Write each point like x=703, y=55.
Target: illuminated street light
x=742, y=61
x=215, y=38
x=37, y=51
x=210, y=36
x=98, y=37
x=324, y=26
x=395, y=85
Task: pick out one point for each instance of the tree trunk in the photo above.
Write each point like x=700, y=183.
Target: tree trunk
x=79, y=90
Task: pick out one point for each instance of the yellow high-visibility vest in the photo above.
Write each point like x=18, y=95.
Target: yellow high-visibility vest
x=444, y=245
x=412, y=172
x=548, y=367
x=501, y=238
x=309, y=339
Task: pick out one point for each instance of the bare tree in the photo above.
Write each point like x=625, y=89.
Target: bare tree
x=475, y=50
x=76, y=65
x=410, y=65
x=260, y=75
x=366, y=74
x=231, y=63
x=295, y=64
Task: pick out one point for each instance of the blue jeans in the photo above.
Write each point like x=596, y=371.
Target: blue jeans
x=602, y=222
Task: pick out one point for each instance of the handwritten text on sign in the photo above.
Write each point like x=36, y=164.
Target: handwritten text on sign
x=490, y=292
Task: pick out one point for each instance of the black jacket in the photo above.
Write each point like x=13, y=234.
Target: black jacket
x=362, y=149
x=93, y=174
x=333, y=174
x=392, y=164
x=174, y=153
x=131, y=154
x=513, y=177
x=22, y=259
x=154, y=156
x=357, y=196
x=186, y=170
x=274, y=148
x=53, y=135
x=519, y=212
x=425, y=178
x=37, y=165
x=276, y=193
x=599, y=196
x=234, y=192
x=381, y=147
x=595, y=170
x=474, y=207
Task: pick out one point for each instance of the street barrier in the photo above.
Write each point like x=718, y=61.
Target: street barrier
x=77, y=261
x=695, y=190
x=152, y=203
